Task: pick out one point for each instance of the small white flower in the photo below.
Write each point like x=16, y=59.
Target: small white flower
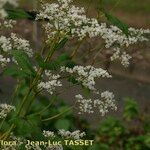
x=116, y=54
x=5, y=109
x=7, y=23
x=52, y=82
x=76, y=135
x=125, y=58
x=48, y=134
x=5, y=43
x=86, y=75
x=21, y=44
x=103, y=104
x=107, y=101
x=13, y=43
x=122, y=56
x=4, y=61
x=85, y=105
x=71, y=21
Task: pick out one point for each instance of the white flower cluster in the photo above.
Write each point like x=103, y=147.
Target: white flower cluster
x=7, y=23
x=65, y=134
x=51, y=84
x=85, y=105
x=21, y=44
x=62, y=17
x=71, y=20
x=117, y=37
x=114, y=36
x=68, y=18
x=76, y=135
x=123, y=56
x=3, y=13
x=88, y=105
x=4, y=61
x=48, y=134
x=107, y=101
x=13, y=42
x=86, y=75
x=5, y=44
x=5, y=109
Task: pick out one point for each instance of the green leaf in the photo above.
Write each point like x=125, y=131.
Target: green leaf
x=115, y=21
x=23, y=128
x=146, y=124
x=23, y=61
x=18, y=14
x=65, y=60
x=23, y=89
x=28, y=126
x=35, y=120
x=64, y=108
x=5, y=126
x=61, y=44
x=131, y=110
x=64, y=57
x=15, y=72
x=112, y=127
x=73, y=80
x=62, y=124
x=40, y=60
x=62, y=60
x=53, y=65
x=70, y=64
x=147, y=140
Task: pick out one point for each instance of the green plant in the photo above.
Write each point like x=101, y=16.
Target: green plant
x=127, y=133
x=39, y=73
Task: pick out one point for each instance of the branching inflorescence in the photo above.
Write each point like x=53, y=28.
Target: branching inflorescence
x=64, y=20
x=72, y=21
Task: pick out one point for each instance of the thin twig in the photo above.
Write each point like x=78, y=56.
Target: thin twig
x=94, y=59
x=46, y=107
x=76, y=50
x=58, y=115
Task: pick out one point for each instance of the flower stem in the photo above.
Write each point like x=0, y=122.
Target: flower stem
x=58, y=115
x=76, y=49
